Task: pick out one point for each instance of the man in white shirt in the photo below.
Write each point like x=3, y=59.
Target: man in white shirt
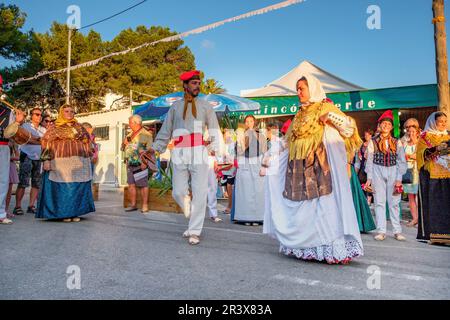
x=30, y=163
x=186, y=122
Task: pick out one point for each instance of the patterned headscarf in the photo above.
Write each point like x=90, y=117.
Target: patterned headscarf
x=61, y=120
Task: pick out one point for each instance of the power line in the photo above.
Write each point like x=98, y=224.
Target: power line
x=114, y=15
x=178, y=36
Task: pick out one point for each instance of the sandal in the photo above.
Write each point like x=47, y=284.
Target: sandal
x=32, y=210
x=194, y=240
x=6, y=221
x=18, y=211
x=10, y=215
x=67, y=220
x=380, y=237
x=216, y=219
x=76, y=219
x=186, y=234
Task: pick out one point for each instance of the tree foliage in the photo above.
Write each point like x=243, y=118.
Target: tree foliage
x=13, y=42
x=212, y=86
x=153, y=70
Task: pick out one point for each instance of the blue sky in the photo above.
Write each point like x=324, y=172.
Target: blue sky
x=252, y=52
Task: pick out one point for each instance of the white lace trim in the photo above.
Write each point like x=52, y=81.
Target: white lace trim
x=337, y=251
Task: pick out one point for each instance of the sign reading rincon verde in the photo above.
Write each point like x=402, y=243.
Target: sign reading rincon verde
x=378, y=99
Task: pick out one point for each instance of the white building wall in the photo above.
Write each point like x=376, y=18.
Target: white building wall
x=109, y=168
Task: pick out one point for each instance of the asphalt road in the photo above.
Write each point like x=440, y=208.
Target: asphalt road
x=116, y=255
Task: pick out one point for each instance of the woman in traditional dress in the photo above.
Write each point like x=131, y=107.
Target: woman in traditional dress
x=249, y=186
x=309, y=205
x=66, y=188
x=433, y=162
x=409, y=141
x=363, y=213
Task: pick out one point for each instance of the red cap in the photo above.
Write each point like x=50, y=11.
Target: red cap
x=189, y=75
x=386, y=116
x=285, y=126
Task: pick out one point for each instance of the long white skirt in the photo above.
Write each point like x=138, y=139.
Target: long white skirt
x=249, y=191
x=324, y=228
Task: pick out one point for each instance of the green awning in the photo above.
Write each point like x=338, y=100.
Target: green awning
x=364, y=100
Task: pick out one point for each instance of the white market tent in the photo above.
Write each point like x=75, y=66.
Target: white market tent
x=285, y=86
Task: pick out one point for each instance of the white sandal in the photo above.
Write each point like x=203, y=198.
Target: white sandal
x=194, y=239
x=6, y=221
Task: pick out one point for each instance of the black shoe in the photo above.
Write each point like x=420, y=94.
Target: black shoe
x=32, y=210
x=18, y=211
x=131, y=209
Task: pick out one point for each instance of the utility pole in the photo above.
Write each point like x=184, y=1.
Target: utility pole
x=440, y=40
x=69, y=54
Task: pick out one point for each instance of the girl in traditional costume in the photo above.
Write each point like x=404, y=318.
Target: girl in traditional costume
x=309, y=205
x=433, y=161
x=66, y=188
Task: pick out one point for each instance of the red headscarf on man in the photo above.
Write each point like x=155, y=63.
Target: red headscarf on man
x=188, y=98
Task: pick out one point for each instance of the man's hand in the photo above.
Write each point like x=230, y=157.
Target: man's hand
x=47, y=166
x=262, y=172
x=20, y=116
x=397, y=183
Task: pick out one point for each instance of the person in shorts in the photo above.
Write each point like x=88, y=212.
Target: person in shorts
x=135, y=144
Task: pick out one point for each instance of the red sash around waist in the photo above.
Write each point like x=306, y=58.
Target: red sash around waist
x=189, y=140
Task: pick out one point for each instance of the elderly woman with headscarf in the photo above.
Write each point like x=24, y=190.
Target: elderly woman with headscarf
x=66, y=188
x=310, y=209
x=433, y=162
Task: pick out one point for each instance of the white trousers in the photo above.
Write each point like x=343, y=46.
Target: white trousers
x=4, y=178
x=191, y=164
x=212, y=193
x=383, y=183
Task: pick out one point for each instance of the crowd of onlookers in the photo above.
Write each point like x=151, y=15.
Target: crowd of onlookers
x=237, y=170
x=27, y=164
